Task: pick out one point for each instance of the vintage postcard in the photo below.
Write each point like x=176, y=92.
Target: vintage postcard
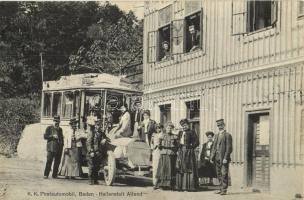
x=156, y=99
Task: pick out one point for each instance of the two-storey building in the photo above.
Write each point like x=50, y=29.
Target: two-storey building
x=238, y=60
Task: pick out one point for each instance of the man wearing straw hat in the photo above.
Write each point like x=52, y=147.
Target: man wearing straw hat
x=220, y=155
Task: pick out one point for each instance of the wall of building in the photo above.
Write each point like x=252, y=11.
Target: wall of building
x=277, y=90
x=222, y=52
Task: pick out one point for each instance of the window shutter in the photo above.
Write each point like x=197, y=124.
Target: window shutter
x=202, y=28
x=152, y=41
x=177, y=29
x=239, y=16
x=274, y=12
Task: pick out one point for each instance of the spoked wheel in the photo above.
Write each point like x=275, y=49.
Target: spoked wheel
x=110, y=169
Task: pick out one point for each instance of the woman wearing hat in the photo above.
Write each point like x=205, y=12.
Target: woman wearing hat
x=166, y=167
x=71, y=159
x=155, y=142
x=207, y=169
x=186, y=167
x=124, y=127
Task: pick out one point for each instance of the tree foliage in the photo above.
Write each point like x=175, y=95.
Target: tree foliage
x=67, y=33
x=115, y=45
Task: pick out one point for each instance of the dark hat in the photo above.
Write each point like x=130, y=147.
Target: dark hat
x=159, y=125
x=73, y=121
x=209, y=133
x=56, y=118
x=98, y=121
x=170, y=124
x=220, y=121
x=184, y=121
x=147, y=112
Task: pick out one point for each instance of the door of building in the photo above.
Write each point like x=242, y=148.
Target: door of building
x=258, y=152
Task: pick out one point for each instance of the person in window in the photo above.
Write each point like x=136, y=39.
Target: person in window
x=168, y=145
x=124, y=127
x=207, y=169
x=186, y=166
x=166, y=51
x=53, y=135
x=147, y=127
x=155, y=142
x=194, y=38
x=72, y=149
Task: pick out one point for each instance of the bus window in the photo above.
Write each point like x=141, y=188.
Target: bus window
x=114, y=102
x=56, y=104
x=76, y=109
x=47, y=105
x=93, y=102
x=67, y=109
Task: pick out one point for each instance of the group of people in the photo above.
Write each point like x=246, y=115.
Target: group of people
x=174, y=161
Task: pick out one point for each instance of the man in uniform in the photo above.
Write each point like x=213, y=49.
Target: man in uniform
x=95, y=139
x=54, y=137
x=220, y=155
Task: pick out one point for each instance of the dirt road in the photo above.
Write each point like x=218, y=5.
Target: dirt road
x=22, y=179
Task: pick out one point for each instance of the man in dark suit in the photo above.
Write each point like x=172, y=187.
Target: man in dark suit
x=220, y=155
x=96, y=137
x=54, y=137
x=136, y=117
x=147, y=128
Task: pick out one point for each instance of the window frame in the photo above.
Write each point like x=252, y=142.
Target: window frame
x=160, y=112
x=273, y=23
x=200, y=12
x=299, y=14
x=50, y=104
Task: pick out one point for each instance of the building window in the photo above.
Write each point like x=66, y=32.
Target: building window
x=56, y=104
x=164, y=45
x=164, y=33
x=193, y=115
x=261, y=14
x=165, y=113
x=193, y=32
x=47, y=104
x=301, y=8
x=302, y=136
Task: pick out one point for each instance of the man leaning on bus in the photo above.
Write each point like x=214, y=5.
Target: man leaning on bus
x=53, y=135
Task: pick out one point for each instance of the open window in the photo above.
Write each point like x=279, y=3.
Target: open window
x=164, y=34
x=253, y=16
x=67, y=104
x=164, y=43
x=301, y=8
x=165, y=113
x=261, y=14
x=47, y=99
x=57, y=104
x=193, y=25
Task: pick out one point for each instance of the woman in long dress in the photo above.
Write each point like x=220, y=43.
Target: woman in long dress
x=207, y=169
x=166, y=167
x=70, y=167
x=186, y=166
x=156, y=151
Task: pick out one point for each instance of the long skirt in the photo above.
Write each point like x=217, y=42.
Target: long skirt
x=166, y=171
x=71, y=163
x=186, y=170
x=155, y=161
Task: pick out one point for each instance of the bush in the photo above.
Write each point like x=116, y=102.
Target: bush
x=15, y=114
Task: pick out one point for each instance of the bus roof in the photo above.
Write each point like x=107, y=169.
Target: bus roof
x=90, y=81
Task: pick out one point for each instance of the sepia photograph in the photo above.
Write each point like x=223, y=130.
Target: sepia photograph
x=152, y=100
